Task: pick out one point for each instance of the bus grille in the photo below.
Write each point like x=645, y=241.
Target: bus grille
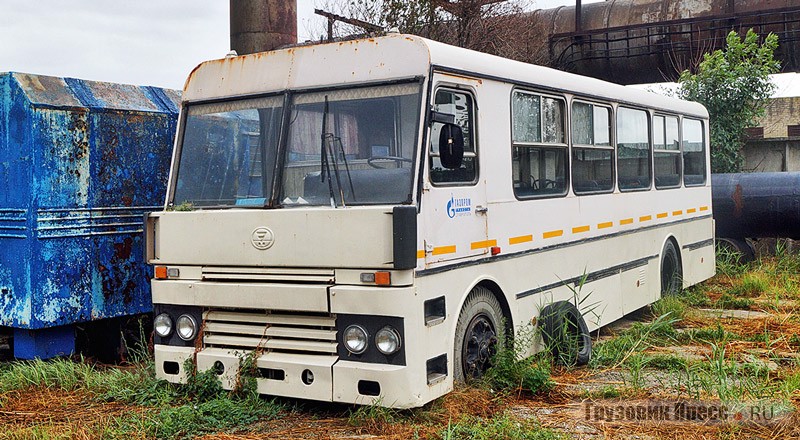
x=278, y=332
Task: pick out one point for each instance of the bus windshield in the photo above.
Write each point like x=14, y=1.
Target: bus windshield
x=352, y=146
x=343, y=147
x=226, y=153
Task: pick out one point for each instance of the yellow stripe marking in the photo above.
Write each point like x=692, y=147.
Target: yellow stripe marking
x=645, y=218
x=551, y=234
x=520, y=239
x=605, y=225
x=579, y=229
x=704, y=208
x=420, y=254
x=626, y=221
x=444, y=250
x=483, y=244
x=662, y=214
x=677, y=212
x=691, y=211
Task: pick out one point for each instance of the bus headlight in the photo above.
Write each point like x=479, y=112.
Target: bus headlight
x=355, y=339
x=387, y=340
x=186, y=327
x=162, y=324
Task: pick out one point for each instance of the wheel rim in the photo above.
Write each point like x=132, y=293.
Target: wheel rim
x=480, y=345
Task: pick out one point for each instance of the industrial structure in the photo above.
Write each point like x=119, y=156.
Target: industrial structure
x=80, y=164
x=645, y=41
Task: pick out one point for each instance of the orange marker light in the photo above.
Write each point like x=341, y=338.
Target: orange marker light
x=383, y=278
x=161, y=272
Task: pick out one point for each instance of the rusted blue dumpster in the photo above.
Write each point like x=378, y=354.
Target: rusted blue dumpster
x=80, y=163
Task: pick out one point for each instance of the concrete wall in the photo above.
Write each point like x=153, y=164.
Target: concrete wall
x=776, y=151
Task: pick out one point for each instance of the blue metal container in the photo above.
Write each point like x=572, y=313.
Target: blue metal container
x=80, y=163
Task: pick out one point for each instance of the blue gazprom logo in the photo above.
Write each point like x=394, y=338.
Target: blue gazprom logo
x=458, y=207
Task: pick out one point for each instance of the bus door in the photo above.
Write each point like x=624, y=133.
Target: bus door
x=454, y=197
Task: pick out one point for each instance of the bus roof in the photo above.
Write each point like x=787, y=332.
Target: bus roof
x=395, y=56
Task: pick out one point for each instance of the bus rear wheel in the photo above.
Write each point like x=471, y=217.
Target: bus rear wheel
x=479, y=334
x=671, y=272
x=565, y=334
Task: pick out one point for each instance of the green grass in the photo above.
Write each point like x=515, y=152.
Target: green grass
x=728, y=301
x=503, y=427
x=751, y=284
x=695, y=296
x=512, y=371
x=639, y=337
x=165, y=411
x=218, y=414
x=709, y=334
x=672, y=306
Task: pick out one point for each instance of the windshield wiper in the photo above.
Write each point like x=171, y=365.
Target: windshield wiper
x=324, y=164
x=328, y=156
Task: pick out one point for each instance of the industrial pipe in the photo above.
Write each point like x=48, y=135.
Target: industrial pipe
x=756, y=205
x=262, y=25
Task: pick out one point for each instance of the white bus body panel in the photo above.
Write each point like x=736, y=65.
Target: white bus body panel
x=545, y=246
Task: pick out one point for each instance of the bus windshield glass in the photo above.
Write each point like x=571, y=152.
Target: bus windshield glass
x=351, y=146
x=228, y=153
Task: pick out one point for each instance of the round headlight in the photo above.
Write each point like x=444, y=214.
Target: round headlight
x=355, y=339
x=186, y=327
x=387, y=340
x=162, y=324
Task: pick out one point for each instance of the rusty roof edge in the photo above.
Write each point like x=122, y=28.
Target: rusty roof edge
x=76, y=93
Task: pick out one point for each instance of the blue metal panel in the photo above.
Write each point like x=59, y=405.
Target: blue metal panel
x=80, y=163
x=44, y=343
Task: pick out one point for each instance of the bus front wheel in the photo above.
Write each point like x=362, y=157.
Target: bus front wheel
x=479, y=333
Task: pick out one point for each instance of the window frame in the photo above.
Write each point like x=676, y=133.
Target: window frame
x=473, y=120
x=648, y=113
x=611, y=147
x=541, y=145
x=678, y=152
x=705, y=142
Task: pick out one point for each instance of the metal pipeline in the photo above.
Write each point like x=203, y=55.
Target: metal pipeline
x=262, y=25
x=756, y=205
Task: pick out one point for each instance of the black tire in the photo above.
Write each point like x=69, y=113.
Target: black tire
x=565, y=334
x=738, y=248
x=671, y=271
x=479, y=333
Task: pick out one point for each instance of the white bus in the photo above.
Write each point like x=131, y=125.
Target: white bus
x=367, y=218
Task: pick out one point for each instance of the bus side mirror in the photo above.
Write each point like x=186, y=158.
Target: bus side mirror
x=451, y=146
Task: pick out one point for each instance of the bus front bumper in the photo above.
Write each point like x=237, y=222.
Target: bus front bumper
x=315, y=377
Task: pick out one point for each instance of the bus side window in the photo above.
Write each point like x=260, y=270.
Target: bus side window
x=694, y=153
x=460, y=105
x=539, y=149
x=667, y=155
x=633, y=149
x=592, y=152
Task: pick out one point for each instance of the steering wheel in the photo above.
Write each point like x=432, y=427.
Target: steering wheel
x=397, y=159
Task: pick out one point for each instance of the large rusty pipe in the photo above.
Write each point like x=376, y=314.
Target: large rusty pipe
x=756, y=205
x=262, y=25
x=638, y=41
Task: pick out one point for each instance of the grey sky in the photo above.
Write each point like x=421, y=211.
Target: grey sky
x=146, y=42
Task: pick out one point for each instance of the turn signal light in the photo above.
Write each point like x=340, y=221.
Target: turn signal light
x=161, y=272
x=383, y=278
x=379, y=278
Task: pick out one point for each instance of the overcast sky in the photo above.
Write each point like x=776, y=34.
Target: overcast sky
x=145, y=42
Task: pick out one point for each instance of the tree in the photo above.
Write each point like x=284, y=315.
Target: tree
x=498, y=27
x=734, y=85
